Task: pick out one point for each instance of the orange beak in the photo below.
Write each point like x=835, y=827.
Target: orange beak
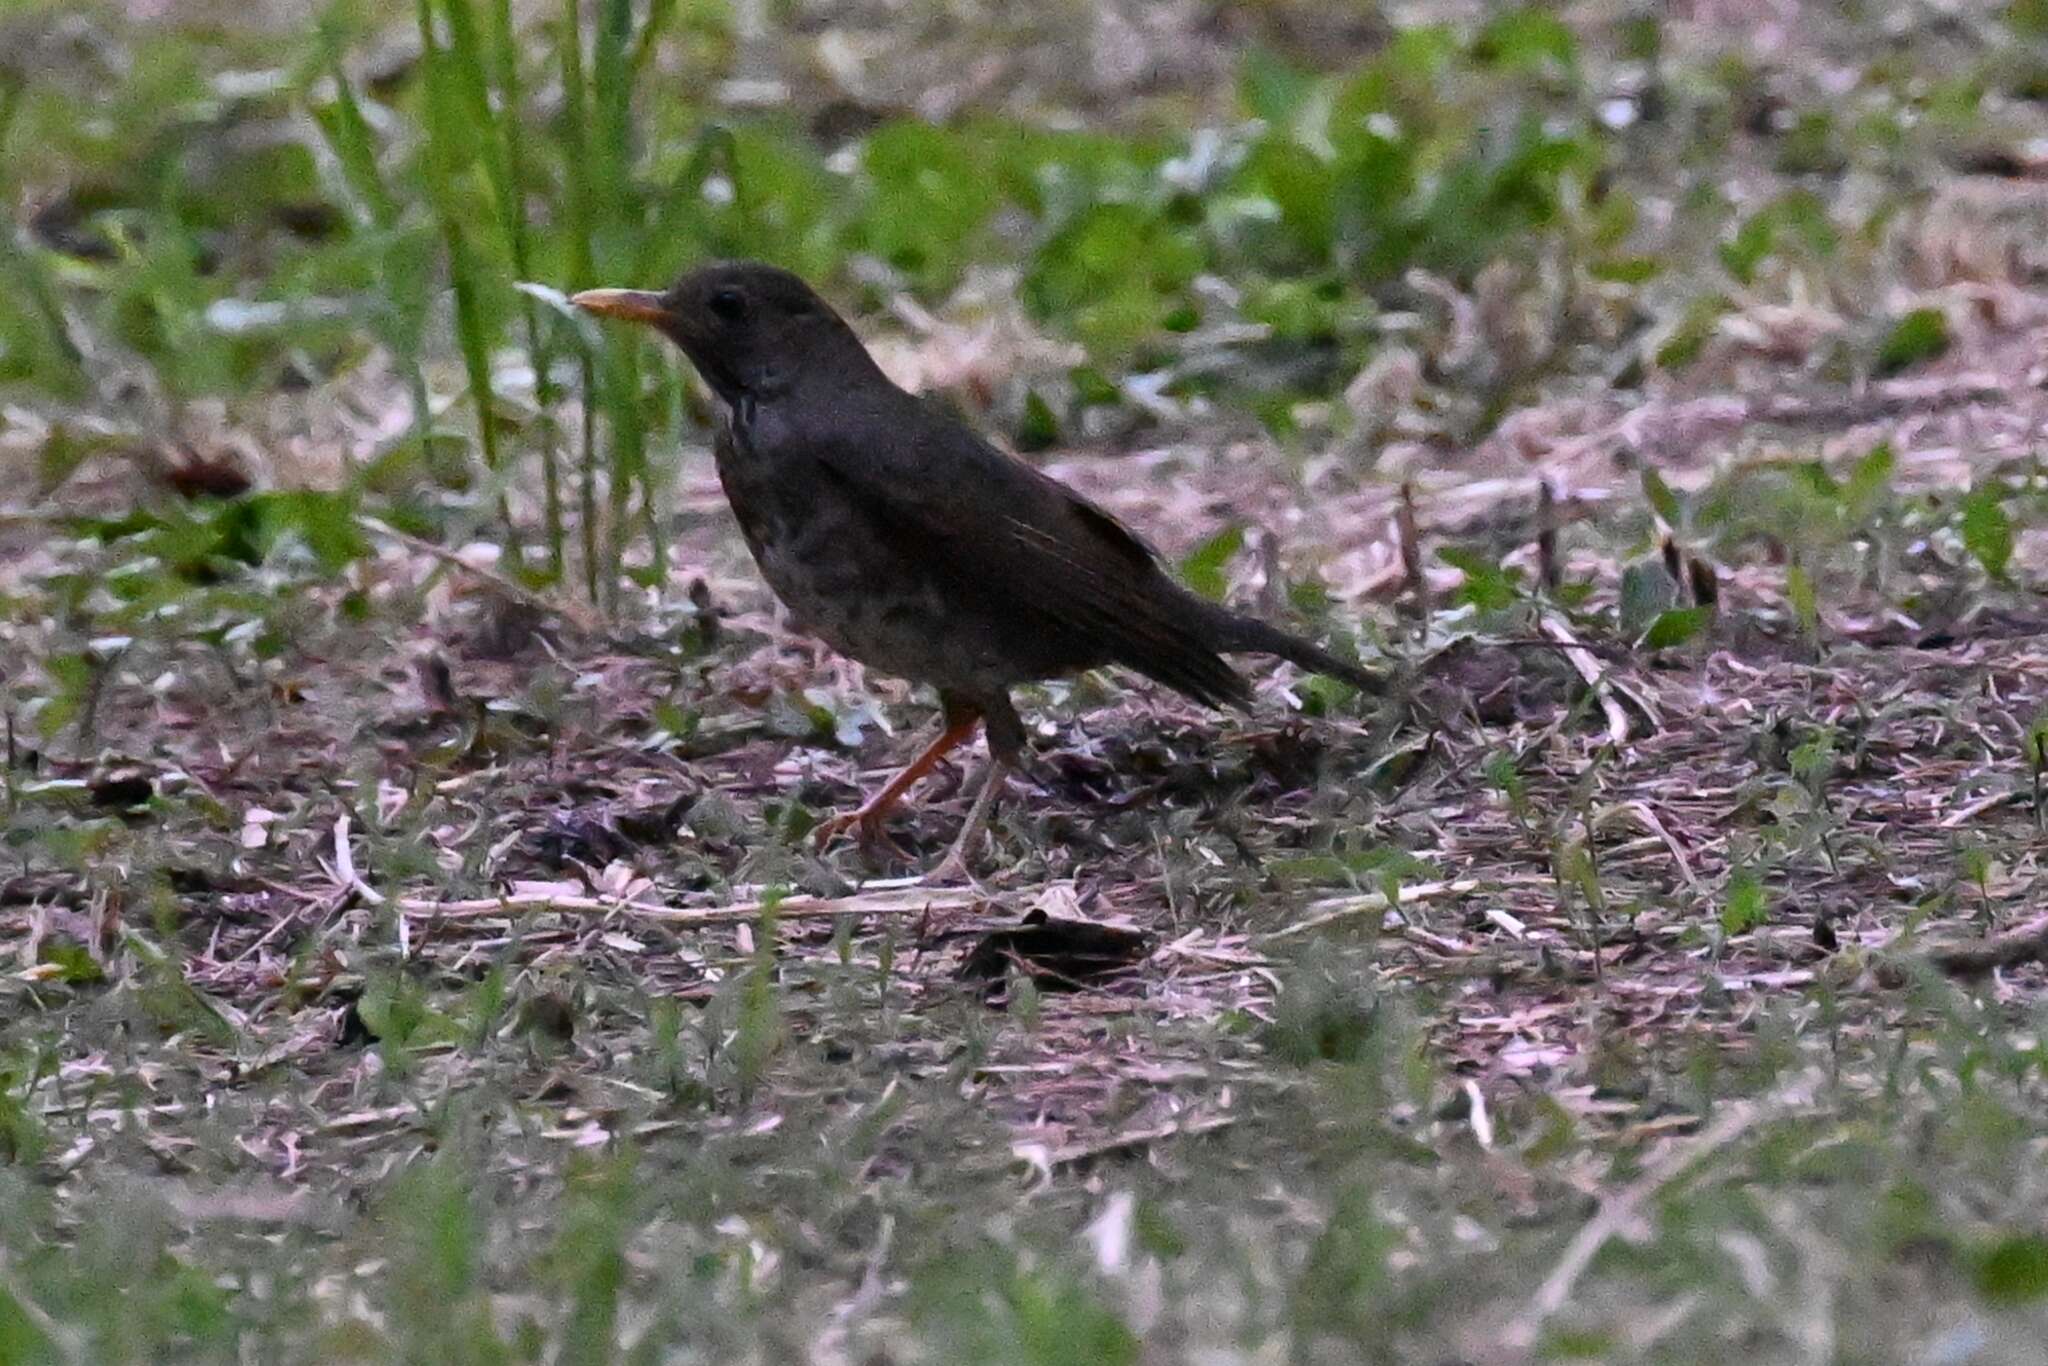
x=634, y=305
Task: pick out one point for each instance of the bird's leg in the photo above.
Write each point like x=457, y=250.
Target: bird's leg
x=960, y=724
x=1005, y=748
x=953, y=867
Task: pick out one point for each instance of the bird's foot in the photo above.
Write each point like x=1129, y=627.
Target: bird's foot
x=868, y=830
x=950, y=869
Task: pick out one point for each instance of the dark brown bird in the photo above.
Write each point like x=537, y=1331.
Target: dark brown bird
x=912, y=545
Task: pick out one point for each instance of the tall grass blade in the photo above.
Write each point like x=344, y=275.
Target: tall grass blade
x=611, y=85
x=628, y=452
x=577, y=173
x=659, y=13
x=612, y=91
x=402, y=309
x=30, y=277
x=453, y=78
x=473, y=338
x=354, y=147
x=511, y=103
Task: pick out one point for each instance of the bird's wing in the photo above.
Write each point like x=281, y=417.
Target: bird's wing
x=1023, y=548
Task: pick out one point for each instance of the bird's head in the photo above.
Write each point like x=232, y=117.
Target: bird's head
x=750, y=329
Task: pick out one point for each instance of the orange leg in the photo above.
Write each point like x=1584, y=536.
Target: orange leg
x=959, y=729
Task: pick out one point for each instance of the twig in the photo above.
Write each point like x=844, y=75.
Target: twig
x=1548, y=571
x=1963, y=815
x=1616, y=1213
x=872, y=1289
x=1411, y=555
x=1589, y=669
x=39, y=520
x=345, y=875
x=1642, y=812
x=61, y=1339
x=573, y=613
x=914, y=899
x=1046, y=1159
x=1336, y=908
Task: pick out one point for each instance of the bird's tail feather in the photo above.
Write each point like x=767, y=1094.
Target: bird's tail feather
x=1234, y=633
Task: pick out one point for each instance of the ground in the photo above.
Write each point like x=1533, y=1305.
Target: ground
x=412, y=943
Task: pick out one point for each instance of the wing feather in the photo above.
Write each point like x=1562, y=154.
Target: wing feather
x=1016, y=544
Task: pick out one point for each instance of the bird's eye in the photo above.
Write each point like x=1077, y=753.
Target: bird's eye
x=729, y=304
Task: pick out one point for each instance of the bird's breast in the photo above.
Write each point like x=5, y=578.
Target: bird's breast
x=842, y=575
x=796, y=528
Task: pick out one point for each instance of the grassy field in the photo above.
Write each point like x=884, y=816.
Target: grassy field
x=412, y=946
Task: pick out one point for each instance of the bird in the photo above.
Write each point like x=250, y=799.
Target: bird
x=904, y=540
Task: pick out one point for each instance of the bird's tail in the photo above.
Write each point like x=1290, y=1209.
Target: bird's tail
x=1240, y=634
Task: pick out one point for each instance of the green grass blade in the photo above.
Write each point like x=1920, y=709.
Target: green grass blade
x=401, y=313
x=576, y=168
x=30, y=277
x=611, y=83
x=659, y=13
x=504, y=56
x=467, y=65
x=576, y=182
x=23, y=266
x=628, y=452
x=472, y=334
x=349, y=138
x=612, y=91
x=451, y=150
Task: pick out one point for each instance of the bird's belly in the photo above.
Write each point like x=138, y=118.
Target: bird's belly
x=843, y=581
x=868, y=604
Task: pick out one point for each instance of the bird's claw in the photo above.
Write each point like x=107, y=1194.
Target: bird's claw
x=868, y=831
x=951, y=868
